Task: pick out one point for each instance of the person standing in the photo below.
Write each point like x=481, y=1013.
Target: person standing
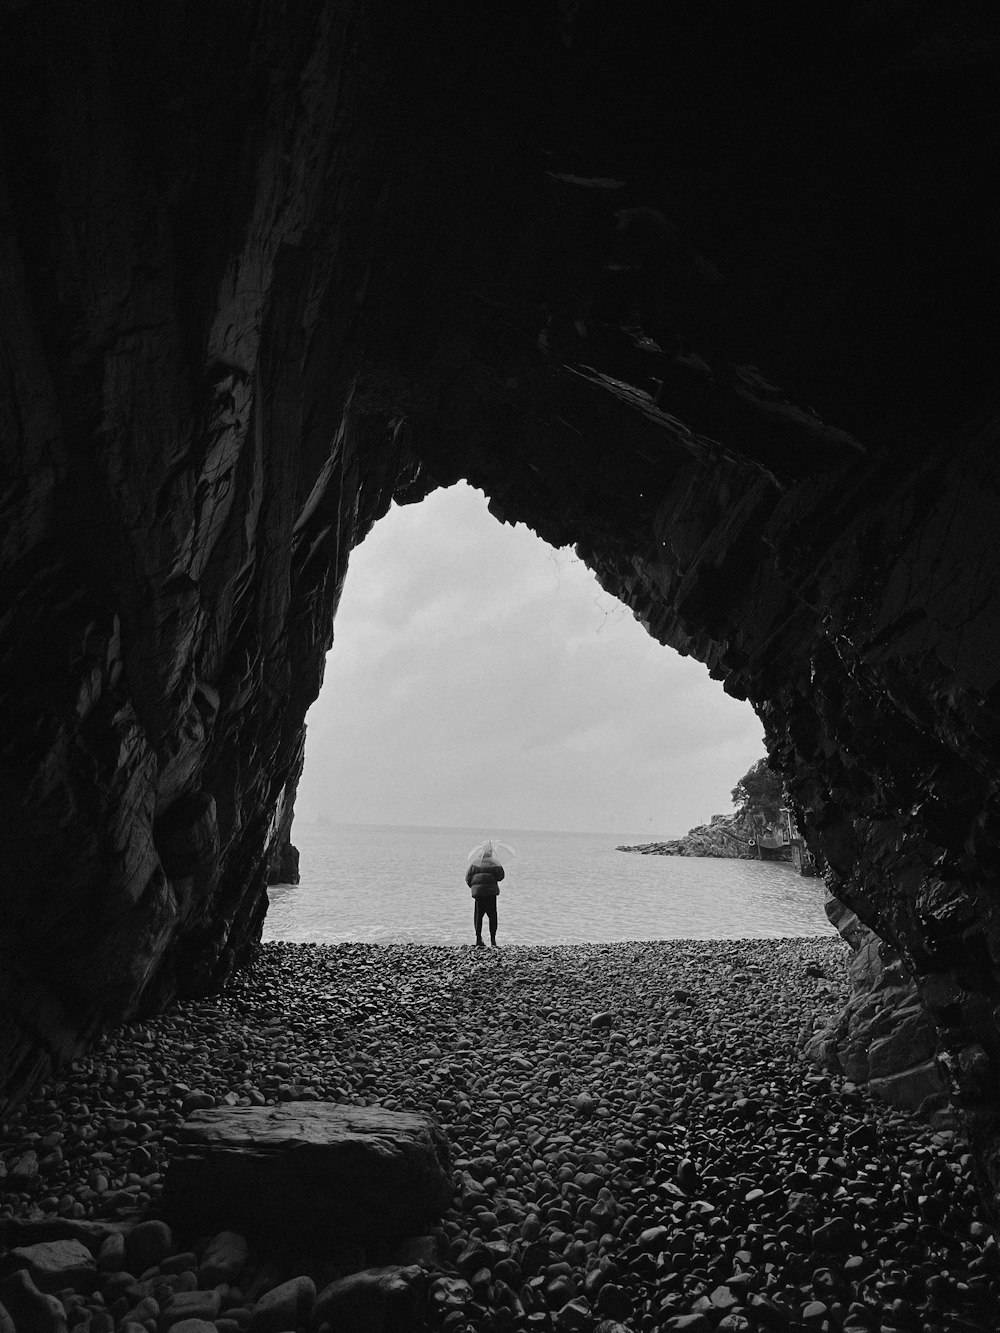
x=483, y=878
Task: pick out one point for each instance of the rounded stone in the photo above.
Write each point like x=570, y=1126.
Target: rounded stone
x=283, y=1307
x=146, y=1244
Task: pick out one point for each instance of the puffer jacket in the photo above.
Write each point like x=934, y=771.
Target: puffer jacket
x=483, y=878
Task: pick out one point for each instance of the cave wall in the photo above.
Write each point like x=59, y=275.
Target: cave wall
x=883, y=1038
x=717, y=308
x=175, y=535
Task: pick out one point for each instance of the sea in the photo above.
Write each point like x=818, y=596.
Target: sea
x=384, y=883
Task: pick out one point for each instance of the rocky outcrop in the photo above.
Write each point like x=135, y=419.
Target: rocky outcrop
x=712, y=310
x=884, y=1037
x=283, y=857
x=283, y=863
x=721, y=837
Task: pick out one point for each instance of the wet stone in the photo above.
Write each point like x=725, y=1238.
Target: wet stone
x=653, y=1239
x=836, y=1235
x=146, y=1244
x=189, y=1305
x=23, y=1171
x=147, y=1308
x=286, y=1306
x=224, y=1258
x=31, y=1310
x=614, y=1301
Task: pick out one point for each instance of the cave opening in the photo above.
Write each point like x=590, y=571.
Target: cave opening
x=456, y=632
x=480, y=680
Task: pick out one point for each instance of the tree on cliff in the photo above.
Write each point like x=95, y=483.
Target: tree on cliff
x=758, y=796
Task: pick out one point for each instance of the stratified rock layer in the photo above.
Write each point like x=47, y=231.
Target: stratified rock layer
x=720, y=310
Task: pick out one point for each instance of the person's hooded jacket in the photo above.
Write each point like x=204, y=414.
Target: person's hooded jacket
x=484, y=875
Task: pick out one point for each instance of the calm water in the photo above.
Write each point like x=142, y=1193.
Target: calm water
x=386, y=883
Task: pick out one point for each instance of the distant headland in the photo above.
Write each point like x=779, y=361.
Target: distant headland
x=723, y=835
x=760, y=828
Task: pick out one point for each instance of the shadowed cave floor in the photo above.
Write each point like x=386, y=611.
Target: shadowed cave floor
x=635, y=1140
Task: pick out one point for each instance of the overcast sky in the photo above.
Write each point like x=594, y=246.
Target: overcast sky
x=481, y=679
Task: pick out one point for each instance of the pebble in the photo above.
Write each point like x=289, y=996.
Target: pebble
x=637, y=1146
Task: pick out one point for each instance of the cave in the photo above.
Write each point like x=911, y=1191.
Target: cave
x=712, y=300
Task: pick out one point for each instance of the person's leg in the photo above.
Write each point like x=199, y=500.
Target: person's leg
x=491, y=912
x=477, y=918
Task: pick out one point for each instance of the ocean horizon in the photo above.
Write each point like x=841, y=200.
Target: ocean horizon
x=406, y=883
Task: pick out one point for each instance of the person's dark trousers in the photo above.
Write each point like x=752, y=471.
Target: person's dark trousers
x=485, y=907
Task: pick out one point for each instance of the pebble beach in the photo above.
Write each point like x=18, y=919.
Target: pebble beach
x=636, y=1144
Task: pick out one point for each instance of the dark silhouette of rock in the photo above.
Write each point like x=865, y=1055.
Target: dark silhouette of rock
x=30, y=1309
x=223, y=1260
x=284, y=1175
x=283, y=865
x=716, y=307
x=376, y=1300
x=146, y=1244
x=884, y=1038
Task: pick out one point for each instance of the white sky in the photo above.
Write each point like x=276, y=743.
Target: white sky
x=481, y=679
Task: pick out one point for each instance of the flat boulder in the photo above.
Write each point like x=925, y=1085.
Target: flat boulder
x=55, y=1264
x=292, y=1175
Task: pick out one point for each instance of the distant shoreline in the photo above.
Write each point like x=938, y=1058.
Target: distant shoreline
x=720, y=849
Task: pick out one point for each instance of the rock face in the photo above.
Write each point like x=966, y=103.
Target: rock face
x=884, y=1038
x=283, y=863
x=283, y=1175
x=719, y=310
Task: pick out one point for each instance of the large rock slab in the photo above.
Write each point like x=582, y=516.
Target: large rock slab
x=304, y=1174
